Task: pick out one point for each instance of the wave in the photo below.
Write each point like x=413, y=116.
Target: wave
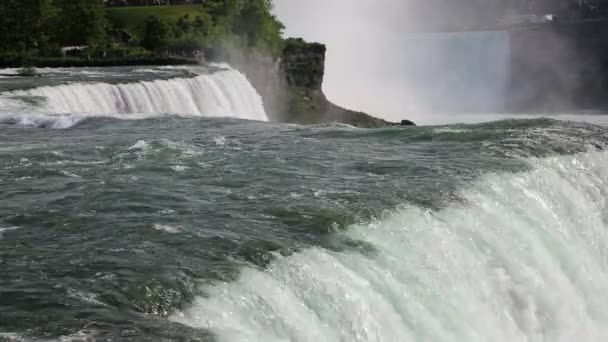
x=524, y=257
x=225, y=93
x=6, y=229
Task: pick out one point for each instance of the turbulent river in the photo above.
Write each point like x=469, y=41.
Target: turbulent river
x=163, y=206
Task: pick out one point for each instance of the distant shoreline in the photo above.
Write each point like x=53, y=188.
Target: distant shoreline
x=97, y=62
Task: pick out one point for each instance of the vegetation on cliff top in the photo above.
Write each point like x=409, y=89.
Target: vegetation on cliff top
x=35, y=29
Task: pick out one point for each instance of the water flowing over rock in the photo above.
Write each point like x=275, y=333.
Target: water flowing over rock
x=225, y=93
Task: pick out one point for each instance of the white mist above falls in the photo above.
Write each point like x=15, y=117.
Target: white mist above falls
x=225, y=93
x=378, y=64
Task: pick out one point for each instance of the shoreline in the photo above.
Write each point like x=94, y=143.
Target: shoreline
x=110, y=62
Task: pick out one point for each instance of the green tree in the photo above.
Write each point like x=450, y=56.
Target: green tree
x=258, y=24
x=251, y=21
x=183, y=26
x=203, y=25
x=79, y=22
x=157, y=34
x=24, y=24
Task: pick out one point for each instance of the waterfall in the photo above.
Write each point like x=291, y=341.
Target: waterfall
x=523, y=260
x=225, y=93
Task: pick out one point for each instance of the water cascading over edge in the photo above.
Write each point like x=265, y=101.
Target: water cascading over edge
x=225, y=93
x=522, y=259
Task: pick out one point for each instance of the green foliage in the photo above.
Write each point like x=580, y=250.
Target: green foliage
x=187, y=44
x=242, y=24
x=41, y=26
x=299, y=103
x=16, y=58
x=24, y=24
x=35, y=29
x=251, y=20
x=79, y=22
x=119, y=51
x=157, y=34
x=133, y=19
x=50, y=49
x=298, y=46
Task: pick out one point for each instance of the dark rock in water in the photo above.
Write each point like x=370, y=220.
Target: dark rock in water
x=407, y=123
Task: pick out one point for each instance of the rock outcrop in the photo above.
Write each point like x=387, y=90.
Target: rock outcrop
x=291, y=86
x=303, y=65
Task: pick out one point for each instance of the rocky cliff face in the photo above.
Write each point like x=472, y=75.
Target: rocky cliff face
x=303, y=65
x=291, y=86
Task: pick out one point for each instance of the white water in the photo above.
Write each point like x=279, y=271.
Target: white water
x=524, y=257
x=222, y=94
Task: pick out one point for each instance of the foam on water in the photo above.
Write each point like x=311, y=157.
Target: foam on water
x=225, y=93
x=167, y=228
x=6, y=229
x=523, y=257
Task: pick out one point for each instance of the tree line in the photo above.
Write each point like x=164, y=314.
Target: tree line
x=239, y=23
x=40, y=28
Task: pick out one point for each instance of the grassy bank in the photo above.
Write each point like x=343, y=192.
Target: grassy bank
x=132, y=19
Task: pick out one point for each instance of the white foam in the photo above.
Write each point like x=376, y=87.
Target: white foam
x=523, y=258
x=220, y=140
x=224, y=93
x=139, y=145
x=12, y=337
x=451, y=130
x=69, y=174
x=179, y=168
x=83, y=296
x=167, y=228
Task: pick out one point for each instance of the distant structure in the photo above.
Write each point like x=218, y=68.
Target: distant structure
x=567, y=10
x=523, y=12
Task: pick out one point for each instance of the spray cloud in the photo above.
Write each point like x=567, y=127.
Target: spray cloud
x=407, y=58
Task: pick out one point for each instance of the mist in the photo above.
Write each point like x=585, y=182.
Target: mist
x=382, y=59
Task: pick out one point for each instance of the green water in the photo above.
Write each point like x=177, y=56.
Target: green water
x=110, y=227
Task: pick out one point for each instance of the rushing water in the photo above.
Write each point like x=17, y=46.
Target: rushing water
x=173, y=225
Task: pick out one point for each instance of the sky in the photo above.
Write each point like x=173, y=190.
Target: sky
x=375, y=64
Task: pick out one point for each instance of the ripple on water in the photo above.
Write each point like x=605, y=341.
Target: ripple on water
x=6, y=229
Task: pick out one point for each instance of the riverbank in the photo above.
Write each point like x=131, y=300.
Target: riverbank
x=96, y=62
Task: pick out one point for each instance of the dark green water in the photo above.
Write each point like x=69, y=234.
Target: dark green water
x=111, y=227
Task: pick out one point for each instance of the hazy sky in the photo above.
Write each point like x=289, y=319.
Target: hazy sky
x=375, y=65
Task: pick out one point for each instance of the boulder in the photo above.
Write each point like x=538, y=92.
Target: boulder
x=407, y=123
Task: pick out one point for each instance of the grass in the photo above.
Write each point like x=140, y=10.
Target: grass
x=131, y=19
